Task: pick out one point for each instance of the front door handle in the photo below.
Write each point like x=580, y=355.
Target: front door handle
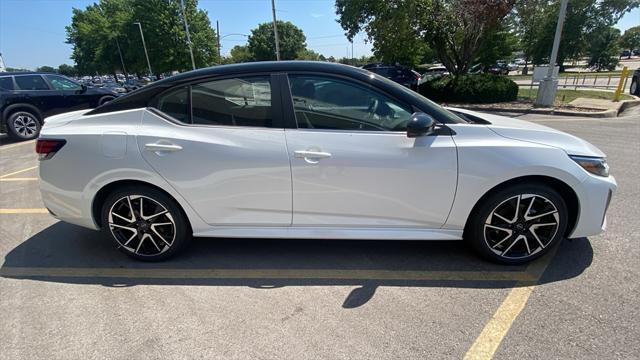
x=162, y=147
x=312, y=157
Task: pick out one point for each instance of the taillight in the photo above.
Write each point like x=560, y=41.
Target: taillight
x=46, y=148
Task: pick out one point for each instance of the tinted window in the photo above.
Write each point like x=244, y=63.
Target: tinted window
x=31, y=82
x=233, y=102
x=6, y=83
x=62, y=83
x=328, y=103
x=175, y=104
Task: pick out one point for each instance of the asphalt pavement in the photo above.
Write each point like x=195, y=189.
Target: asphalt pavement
x=67, y=293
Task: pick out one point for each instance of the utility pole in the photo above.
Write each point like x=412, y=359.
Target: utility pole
x=218, y=36
x=352, y=56
x=124, y=70
x=275, y=29
x=144, y=46
x=186, y=28
x=549, y=85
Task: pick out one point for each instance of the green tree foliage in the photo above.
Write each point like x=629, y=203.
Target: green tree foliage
x=101, y=31
x=262, y=46
x=583, y=22
x=604, y=48
x=240, y=53
x=405, y=29
x=308, y=54
x=67, y=70
x=46, y=68
x=630, y=40
x=496, y=45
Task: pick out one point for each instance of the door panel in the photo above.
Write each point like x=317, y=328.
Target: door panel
x=364, y=178
x=229, y=175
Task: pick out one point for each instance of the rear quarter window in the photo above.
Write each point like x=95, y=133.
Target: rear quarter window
x=31, y=82
x=6, y=83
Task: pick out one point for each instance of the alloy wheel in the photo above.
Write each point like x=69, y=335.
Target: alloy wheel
x=142, y=225
x=521, y=226
x=25, y=125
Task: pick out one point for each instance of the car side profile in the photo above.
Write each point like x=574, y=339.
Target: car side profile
x=311, y=150
x=26, y=98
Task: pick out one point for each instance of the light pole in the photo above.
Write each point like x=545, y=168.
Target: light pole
x=549, y=85
x=275, y=29
x=144, y=46
x=186, y=28
x=222, y=37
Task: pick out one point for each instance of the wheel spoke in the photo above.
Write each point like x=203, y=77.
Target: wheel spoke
x=153, y=242
x=512, y=244
x=130, y=221
x=154, y=215
x=526, y=243
x=133, y=214
x=155, y=231
x=535, y=236
x=501, y=241
x=537, y=216
x=140, y=243
x=123, y=227
x=131, y=238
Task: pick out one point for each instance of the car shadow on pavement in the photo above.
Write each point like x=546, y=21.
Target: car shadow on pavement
x=69, y=254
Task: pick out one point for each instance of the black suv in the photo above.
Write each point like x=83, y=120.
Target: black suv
x=26, y=98
x=400, y=74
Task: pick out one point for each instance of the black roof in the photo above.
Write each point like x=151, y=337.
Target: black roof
x=26, y=73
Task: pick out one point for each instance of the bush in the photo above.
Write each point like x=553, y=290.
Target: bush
x=476, y=88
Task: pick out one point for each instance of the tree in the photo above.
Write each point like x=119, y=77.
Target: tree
x=454, y=29
x=104, y=30
x=308, y=54
x=630, y=40
x=583, y=20
x=262, y=46
x=240, y=53
x=604, y=48
x=67, y=70
x=46, y=68
x=496, y=45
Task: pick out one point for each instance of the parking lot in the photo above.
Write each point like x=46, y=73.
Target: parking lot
x=67, y=292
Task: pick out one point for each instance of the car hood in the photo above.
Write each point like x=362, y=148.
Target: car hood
x=536, y=133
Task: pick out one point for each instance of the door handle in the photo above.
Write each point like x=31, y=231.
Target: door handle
x=311, y=154
x=162, y=147
x=312, y=157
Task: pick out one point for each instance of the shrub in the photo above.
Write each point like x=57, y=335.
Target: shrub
x=476, y=88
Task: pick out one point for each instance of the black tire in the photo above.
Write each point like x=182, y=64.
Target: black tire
x=154, y=241
x=105, y=99
x=23, y=125
x=492, y=235
x=634, y=89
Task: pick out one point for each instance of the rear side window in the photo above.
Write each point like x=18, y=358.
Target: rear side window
x=31, y=82
x=6, y=83
x=175, y=103
x=233, y=102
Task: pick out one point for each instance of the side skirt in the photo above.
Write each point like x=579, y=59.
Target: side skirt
x=304, y=232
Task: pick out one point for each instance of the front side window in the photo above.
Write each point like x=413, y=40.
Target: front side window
x=336, y=104
x=62, y=83
x=233, y=102
x=6, y=83
x=31, y=82
x=175, y=103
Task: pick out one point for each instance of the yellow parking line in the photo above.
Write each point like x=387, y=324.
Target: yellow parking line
x=4, y=147
x=24, y=211
x=320, y=274
x=18, y=172
x=497, y=328
x=19, y=179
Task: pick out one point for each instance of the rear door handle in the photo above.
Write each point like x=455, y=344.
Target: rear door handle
x=311, y=157
x=162, y=147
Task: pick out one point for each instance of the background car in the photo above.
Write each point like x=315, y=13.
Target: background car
x=400, y=74
x=499, y=69
x=634, y=88
x=314, y=150
x=26, y=98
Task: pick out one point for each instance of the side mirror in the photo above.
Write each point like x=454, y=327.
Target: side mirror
x=420, y=124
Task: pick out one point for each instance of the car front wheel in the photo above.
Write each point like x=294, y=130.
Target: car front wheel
x=145, y=223
x=23, y=125
x=518, y=224
x=634, y=87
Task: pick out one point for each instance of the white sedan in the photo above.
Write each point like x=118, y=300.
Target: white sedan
x=310, y=150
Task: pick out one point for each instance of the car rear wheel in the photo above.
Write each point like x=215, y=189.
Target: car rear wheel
x=105, y=99
x=518, y=224
x=145, y=223
x=23, y=125
x=633, y=89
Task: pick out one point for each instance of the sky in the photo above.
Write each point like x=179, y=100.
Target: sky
x=40, y=40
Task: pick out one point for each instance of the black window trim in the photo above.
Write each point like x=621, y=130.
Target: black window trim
x=15, y=83
x=276, y=104
x=351, y=79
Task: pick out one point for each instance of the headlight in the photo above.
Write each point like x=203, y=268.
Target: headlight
x=595, y=165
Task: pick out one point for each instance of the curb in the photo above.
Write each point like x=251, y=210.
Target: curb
x=625, y=104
